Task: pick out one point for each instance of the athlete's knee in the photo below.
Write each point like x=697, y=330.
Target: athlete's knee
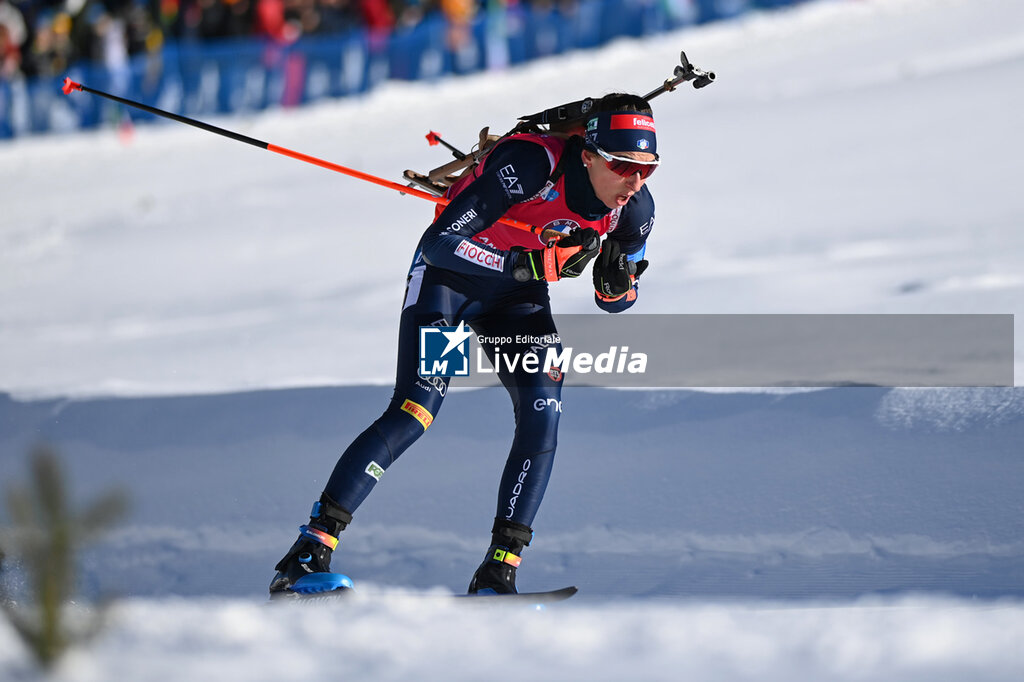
x=402, y=423
x=539, y=408
x=543, y=408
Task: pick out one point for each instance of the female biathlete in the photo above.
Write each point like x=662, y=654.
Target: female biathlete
x=494, y=278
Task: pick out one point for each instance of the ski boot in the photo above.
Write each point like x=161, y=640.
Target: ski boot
x=497, y=574
x=306, y=568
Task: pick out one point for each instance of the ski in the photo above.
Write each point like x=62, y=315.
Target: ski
x=546, y=597
x=324, y=587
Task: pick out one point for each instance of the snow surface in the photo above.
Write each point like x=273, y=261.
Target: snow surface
x=853, y=157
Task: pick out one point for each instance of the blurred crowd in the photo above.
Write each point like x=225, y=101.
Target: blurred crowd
x=42, y=37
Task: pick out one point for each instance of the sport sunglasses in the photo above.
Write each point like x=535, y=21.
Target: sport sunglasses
x=626, y=167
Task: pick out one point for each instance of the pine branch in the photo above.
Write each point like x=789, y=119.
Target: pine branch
x=47, y=535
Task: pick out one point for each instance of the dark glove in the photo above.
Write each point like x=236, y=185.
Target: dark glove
x=567, y=257
x=614, y=273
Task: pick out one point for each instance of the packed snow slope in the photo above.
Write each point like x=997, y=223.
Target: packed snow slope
x=831, y=494
x=208, y=326
x=846, y=534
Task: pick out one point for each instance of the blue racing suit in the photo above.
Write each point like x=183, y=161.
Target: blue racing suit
x=460, y=272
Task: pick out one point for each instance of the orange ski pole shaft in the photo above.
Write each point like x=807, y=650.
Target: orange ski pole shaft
x=70, y=86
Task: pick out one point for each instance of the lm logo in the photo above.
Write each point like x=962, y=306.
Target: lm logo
x=444, y=351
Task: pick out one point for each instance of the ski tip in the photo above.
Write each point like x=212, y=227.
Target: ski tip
x=70, y=85
x=565, y=592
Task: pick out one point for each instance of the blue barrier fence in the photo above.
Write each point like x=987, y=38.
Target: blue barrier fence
x=197, y=79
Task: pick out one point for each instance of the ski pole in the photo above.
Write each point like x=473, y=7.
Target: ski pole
x=70, y=86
